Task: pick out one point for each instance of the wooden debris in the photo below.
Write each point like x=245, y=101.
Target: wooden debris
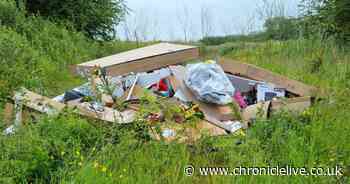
x=295, y=105
x=108, y=114
x=136, y=93
x=256, y=73
x=41, y=103
x=132, y=88
x=8, y=114
x=49, y=106
x=142, y=59
x=259, y=110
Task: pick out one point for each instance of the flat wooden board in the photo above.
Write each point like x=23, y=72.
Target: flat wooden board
x=143, y=59
x=261, y=74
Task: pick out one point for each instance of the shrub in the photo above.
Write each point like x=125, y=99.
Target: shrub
x=330, y=17
x=97, y=19
x=9, y=14
x=19, y=63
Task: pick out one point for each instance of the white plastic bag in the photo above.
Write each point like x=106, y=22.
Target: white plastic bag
x=209, y=83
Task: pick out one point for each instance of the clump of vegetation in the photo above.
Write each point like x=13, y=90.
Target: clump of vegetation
x=36, y=53
x=96, y=19
x=330, y=18
x=37, y=152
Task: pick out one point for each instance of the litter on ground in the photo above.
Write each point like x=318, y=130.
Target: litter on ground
x=223, y=96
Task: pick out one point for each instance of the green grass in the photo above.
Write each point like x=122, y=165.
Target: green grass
x=68, y=149
x=35, y=53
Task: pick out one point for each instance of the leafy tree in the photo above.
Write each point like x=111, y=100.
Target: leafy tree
x=281, y=28
x=96, y=18
x=330, y=17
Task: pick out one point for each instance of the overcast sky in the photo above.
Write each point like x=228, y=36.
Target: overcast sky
x=191, y=19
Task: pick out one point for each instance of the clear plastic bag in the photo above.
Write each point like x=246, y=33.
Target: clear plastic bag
x=209, y=83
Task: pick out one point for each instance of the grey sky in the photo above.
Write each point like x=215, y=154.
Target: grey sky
x=173, y=19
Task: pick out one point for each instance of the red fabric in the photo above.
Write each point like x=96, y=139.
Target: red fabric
x=161, y=85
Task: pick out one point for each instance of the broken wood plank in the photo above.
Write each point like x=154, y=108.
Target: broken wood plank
x=41, y=103
x=258, y=73
x=108, y=114
x=46, y=105
x=295, y=105
x=259, y=110
x=143, y=59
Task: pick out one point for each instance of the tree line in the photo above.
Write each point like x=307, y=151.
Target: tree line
x=325, y=19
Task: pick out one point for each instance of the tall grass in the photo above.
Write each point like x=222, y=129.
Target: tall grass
x=35, y=53
x=67, y=149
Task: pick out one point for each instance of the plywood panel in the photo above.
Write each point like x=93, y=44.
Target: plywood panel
x=153, y=63
x=143, y=59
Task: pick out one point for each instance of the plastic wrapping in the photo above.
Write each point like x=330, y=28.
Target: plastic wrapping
x=209, y=83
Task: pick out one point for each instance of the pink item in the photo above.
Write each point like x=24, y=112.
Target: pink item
x=239, y=99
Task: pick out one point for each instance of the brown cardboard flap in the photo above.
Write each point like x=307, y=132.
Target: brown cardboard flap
x=261, y=74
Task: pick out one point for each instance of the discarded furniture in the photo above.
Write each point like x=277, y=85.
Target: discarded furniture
x=161, y=68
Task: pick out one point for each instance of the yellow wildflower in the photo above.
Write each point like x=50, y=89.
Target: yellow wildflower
x=104, y=169
x=242, y=133
x=95, y=165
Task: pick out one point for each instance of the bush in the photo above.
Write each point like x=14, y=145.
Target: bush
x=9, y=14
x=19, y=63
x=281, y=28
x=97, y=19
x=218, y=40
x=330, y=17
